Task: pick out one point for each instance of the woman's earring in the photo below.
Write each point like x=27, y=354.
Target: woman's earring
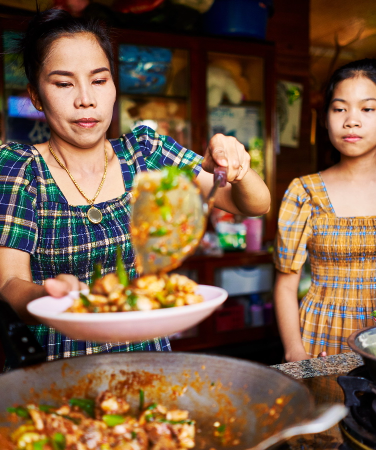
x=40, y=108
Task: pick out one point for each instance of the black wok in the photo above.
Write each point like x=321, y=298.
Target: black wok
x=252, y=400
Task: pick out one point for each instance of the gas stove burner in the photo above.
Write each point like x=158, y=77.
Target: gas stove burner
x=359, y=426
x=361, y=371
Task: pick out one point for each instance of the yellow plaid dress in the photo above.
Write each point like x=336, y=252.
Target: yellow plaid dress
x=342, y=252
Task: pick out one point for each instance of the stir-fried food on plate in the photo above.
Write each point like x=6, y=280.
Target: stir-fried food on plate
x=149, y=292
x=105, y=423
x=115, y=293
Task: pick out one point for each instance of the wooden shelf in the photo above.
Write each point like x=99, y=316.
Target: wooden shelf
x=208, y=337
x=206, y=265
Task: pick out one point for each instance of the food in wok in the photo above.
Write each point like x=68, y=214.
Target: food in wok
x=105, y=423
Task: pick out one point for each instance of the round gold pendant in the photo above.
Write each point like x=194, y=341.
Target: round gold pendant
x=94, y=215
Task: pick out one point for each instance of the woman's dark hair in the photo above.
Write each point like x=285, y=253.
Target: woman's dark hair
x=363, y=67
x=47, y=26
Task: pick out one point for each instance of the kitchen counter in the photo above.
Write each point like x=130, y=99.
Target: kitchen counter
x=320, y=376
x=318, y=367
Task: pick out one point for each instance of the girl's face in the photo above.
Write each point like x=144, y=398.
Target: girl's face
x=76, y=90
x=351, y=118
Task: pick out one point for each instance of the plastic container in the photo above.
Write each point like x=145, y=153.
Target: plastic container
x=245, y=280
x=257, y=315
x=268, y=313
x=253, y=233
x=238, y=17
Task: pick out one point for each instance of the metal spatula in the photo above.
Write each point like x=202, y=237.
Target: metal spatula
x=168, y=217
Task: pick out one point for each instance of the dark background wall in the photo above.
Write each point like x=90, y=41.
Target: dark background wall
x=289, y=29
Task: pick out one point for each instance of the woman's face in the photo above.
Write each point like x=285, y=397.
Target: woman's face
x=76, y=90
x=351, y=118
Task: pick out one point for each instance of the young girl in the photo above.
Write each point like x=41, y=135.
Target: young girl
x=64, y=204
x=331, y=216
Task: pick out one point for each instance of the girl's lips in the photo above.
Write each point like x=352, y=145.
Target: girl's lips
x=352, y=138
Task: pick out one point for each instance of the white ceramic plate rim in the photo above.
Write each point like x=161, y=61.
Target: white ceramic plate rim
x=32, y=307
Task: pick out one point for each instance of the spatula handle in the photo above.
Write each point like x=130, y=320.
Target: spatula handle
x=220, y=173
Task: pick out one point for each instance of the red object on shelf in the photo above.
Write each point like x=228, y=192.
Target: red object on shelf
x=229, y=318
x=136, y=6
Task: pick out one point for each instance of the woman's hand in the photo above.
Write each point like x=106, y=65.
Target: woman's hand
x=245, y=193
x=227, y=151
x=62, y=285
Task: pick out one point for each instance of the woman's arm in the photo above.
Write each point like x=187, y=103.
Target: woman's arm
x=17, y=287
x=287, y=312
x=245, y=193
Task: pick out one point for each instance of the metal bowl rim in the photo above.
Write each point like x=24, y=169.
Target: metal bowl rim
x=351, y=342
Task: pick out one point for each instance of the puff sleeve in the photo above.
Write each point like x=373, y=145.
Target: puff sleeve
x=294, y=229
x=18, y=223
x=159, y=151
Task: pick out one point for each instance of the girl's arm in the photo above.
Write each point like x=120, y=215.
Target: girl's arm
x=287, y=312
x=17, y=287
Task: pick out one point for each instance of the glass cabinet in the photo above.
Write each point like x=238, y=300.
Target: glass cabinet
x=153, y=90
x=21, y=121
x=235, y=102
x=191, y=87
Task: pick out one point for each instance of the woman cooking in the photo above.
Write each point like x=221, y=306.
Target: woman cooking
x=64, y=204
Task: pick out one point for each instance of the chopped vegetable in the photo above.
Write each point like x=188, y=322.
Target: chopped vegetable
x=120, y=269
x=86, y=404
x=97, y=273
x=58, y=441
x=39, y=445
x=111, y=420
x=84, y=300
x=46, y=408
x=152, y=406
x=20, y=411
x=142, y=400
x=162, y=231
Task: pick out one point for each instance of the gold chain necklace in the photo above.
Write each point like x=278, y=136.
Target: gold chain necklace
x=94, y=214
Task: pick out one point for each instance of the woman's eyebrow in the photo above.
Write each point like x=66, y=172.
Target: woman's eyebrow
x=338, y=100
x=71, y=74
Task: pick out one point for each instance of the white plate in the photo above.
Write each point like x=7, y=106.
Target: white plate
x=125, y=326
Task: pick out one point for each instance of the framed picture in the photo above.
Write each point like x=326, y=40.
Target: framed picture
x=289, y=109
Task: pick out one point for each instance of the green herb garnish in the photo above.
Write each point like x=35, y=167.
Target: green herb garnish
x=97, y=273
x=58, y=441
x=20, y=411
x=39, y=445
x=161, y=231
x=111, y=420
x=86, y=404
x=142, y=399
x=120, y=269
x=84, y=300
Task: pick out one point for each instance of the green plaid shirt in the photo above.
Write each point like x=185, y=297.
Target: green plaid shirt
x=35, y=217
